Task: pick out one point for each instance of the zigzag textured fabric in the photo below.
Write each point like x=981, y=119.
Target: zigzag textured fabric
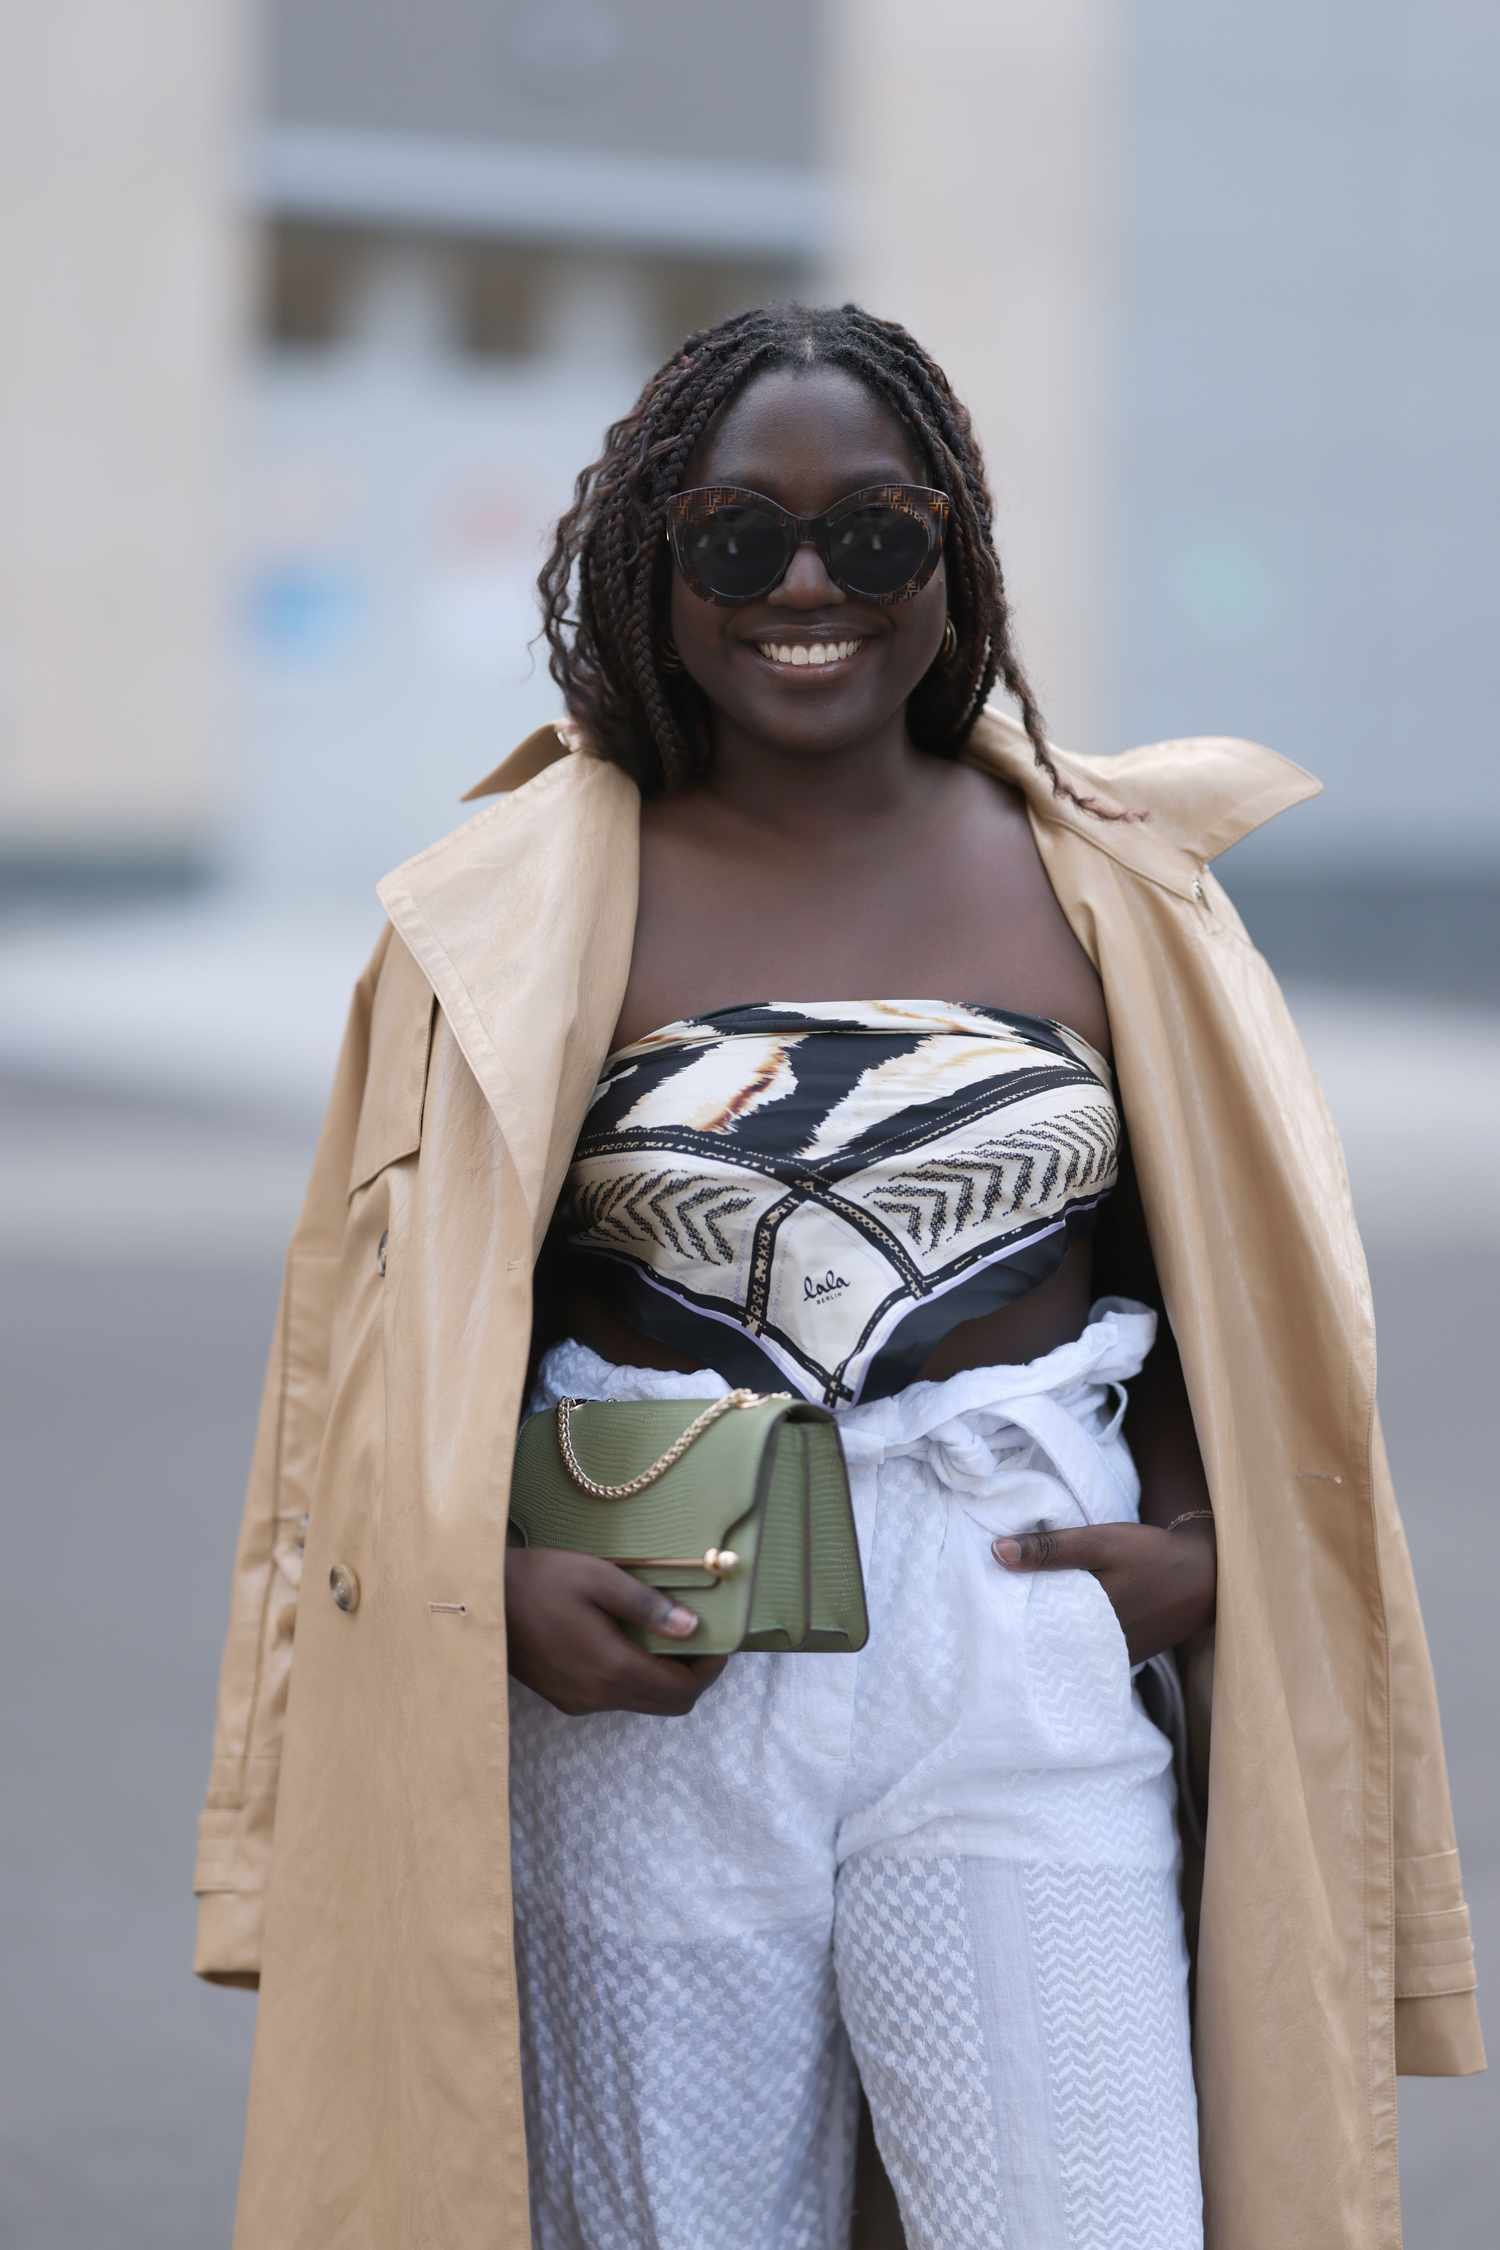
x=831, y=1186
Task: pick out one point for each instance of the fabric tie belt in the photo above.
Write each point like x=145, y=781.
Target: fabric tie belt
x=968, y=1425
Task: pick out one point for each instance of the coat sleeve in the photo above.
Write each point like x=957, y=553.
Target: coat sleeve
x=1219, y=793
x=1437, y=2027
x=239, y=1808
x=1437, y=2016
x=1200, y=796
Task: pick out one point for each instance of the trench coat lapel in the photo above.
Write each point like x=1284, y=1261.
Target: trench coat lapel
x=522, y=922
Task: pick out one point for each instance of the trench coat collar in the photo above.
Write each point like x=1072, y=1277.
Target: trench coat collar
x=504, y=915
x=1199, y=793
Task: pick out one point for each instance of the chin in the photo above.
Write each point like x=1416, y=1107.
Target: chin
x=810, y=724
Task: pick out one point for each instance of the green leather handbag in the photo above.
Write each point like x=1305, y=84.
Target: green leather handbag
x=739, y=1504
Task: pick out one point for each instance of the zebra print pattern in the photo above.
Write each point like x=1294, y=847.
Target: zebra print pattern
x=811, y=1196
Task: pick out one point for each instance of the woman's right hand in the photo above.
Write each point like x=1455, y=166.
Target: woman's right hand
x=563, y=1614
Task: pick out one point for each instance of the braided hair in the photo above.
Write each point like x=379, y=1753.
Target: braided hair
x=610, y=545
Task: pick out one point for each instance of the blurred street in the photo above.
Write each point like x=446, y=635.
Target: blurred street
x=141, y=1232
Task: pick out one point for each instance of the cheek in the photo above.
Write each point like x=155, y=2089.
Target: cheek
x=926, y=615
x=696, y=624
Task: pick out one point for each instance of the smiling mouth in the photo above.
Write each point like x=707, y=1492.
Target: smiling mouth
x=808, y=656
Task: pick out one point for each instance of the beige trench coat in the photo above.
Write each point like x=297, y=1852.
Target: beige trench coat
x=1333, y=1948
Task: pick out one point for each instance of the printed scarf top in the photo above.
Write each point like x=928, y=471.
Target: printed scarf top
x=810, y=1196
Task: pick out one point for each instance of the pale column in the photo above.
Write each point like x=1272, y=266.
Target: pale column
x=976, y=146
x=120, y=264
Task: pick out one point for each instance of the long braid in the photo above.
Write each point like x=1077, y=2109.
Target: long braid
x=950, y=426
x=676, y=746
x=606, y=648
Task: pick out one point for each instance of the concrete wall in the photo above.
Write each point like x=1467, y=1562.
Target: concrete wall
x=1221, y=287
x=121, y=275
x=976, y=153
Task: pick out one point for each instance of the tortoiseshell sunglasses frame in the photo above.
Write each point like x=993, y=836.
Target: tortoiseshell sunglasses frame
x=929, y=507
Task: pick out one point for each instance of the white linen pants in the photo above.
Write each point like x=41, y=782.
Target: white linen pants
x=949, y=1862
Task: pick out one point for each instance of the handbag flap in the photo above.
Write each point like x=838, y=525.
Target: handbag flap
x=703, y=1500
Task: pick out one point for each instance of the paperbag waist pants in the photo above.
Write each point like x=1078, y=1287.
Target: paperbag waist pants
x=949, y=1861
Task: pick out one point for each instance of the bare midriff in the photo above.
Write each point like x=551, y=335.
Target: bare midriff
x=1052, y=1313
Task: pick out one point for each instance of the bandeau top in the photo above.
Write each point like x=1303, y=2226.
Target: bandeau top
x=810, y=1196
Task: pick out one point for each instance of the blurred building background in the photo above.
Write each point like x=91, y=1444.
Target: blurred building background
x=326, y=303
x=317, y=306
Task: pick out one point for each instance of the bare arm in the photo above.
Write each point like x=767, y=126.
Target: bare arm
x=1162, y=1581
x=1158, y=1419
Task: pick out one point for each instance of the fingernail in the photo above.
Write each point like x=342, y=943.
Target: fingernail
x=1007, y=1550
x=679, y=1620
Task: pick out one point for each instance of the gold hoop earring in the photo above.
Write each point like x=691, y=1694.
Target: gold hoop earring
x=950, y=640
x=670, y=660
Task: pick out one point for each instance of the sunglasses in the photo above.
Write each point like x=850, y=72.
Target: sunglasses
x=734, y=545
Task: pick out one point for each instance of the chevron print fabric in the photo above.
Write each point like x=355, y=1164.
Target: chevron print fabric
x=812, y=1195
x=1111, y=1974
x=1022, y=2035
x=950, y=1860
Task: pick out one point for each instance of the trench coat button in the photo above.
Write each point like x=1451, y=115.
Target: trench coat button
x=380, y=1252
x=344, y=1585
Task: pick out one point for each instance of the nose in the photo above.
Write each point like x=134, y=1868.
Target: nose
x=806, y=584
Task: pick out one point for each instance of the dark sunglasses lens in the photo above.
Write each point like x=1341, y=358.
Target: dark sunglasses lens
x=877, y=549
x=736, y=551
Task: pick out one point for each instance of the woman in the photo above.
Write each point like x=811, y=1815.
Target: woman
x=796, y=943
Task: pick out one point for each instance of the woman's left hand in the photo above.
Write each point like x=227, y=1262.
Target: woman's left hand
x=1162, y=1583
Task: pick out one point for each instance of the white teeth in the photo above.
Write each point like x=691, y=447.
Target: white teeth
x=808, y=652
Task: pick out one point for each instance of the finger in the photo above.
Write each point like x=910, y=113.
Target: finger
x=703, y=1670
x=633, y=1680
x=619, y=1595
x=669, y=1693
x=1091, y=1546
x=676, y=1682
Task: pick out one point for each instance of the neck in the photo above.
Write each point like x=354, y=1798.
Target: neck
x=877, y=776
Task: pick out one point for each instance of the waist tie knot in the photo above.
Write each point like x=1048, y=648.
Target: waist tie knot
x=967, y=1426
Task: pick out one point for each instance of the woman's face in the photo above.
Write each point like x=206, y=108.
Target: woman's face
x=807, y=438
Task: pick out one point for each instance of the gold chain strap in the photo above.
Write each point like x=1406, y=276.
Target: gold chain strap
x=712, y=1413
